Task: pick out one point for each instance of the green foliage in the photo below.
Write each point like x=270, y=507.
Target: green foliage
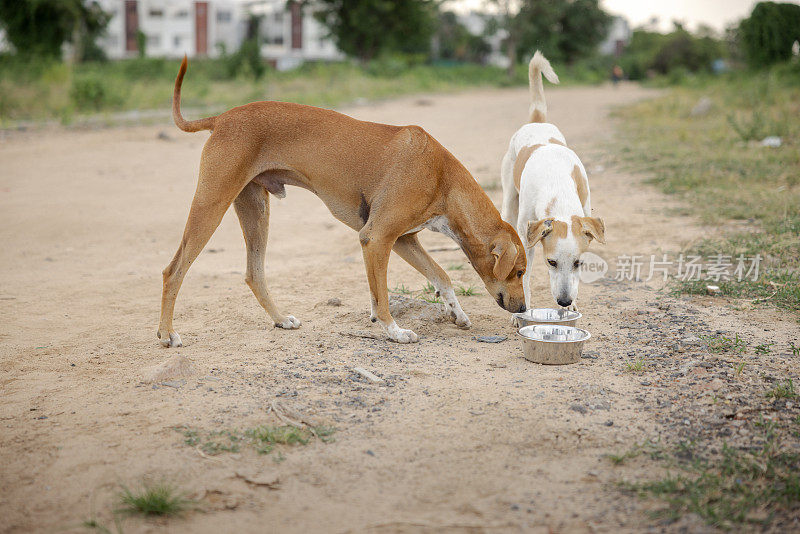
x=676, y=52
x=247, y=62
x=92, y=93
x=456, y=43
x=41, y=27
x=565, y=31
x=767, y=35
x=40, y=89
x=366, y=29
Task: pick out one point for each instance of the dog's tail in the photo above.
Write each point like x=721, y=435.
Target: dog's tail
x=180, y=122
x=538, y=66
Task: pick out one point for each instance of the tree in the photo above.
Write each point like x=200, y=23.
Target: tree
x=768, y=34
x=41, y=27
x=564, y=30
x=455, y=42
x=368, y=28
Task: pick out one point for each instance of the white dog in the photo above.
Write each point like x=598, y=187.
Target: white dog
x=546, y=194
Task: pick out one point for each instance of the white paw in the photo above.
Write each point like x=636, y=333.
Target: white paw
x=170, y=339
x=290, y=323
x=454, y=308
x=461, y=320
x=401, y=335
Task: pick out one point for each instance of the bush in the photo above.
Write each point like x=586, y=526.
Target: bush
x=92, y=93
x=768, y=34
x=664, y=53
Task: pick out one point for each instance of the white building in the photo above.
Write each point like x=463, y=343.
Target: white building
x=171, y=28
x=291, y=35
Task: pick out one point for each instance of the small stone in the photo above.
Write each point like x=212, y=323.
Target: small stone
x=578, y=408
x=609, y=423
x=334, y=302
x=490, y=339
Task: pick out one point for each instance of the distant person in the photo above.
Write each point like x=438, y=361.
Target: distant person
x=616, y=74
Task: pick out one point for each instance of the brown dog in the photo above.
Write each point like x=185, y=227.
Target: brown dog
x=386, y=182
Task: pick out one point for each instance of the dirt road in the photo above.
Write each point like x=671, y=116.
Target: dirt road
x=459, y=436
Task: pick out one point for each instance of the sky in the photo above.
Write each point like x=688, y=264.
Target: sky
x=715, y=13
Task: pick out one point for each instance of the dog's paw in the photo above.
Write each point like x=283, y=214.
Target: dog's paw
x=461, y=319
x=290, y=323
x=169, y=339
x=401, y=335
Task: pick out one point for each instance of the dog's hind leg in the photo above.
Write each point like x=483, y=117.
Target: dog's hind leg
x=410, y=249
x=215, y=192
x=252, y=207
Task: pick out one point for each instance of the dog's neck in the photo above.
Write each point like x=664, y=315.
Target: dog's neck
x=471, y=216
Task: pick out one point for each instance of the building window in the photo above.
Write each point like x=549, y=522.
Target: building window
x=153, y=41
x=278, y=17
x=182, y=14
x=177, y=41
x=156, y=13
x=223, y=16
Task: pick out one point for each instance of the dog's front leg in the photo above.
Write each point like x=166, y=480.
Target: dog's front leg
x=376, y=252
x=409, y=248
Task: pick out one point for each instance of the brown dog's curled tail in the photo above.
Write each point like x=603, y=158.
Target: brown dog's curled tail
x=180, y=122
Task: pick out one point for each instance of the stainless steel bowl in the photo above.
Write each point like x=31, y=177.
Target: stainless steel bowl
x=553, y=344
x=551, y=316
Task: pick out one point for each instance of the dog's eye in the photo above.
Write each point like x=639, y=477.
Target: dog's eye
x=577, y=264
x=553, y=263
x=520, y=273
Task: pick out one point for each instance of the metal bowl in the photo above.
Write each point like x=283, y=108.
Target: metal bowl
x=550, y=316
x=553, y=344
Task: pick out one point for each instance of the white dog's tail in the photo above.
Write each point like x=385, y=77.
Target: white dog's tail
x=538, y=66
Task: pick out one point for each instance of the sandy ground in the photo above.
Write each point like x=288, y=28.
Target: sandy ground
x=460, y=436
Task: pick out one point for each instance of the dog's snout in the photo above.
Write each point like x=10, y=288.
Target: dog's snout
x=499, y=299
x=564, y=302
x=521, y=308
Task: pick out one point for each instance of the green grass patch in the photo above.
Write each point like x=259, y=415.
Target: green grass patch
x=637, y=365
x=716, y=164
x=722, y=344
x=263, y=438
x=467, y=291
x=54, y=90
x=159, y=499
x=783, y=390
x=729, y=489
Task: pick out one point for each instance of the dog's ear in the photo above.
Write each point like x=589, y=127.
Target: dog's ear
x=505, y=256
x=538, y=230
x=594, y=228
